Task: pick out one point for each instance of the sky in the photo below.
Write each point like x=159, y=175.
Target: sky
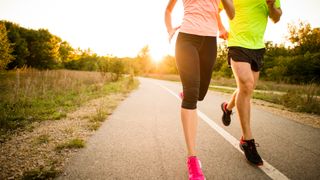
x=123, y=27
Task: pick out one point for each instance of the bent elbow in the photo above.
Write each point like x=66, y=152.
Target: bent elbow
x=231, y=13
x=168, y=11
x=276, y=20
x=231, y=16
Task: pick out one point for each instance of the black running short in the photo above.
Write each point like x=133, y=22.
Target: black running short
x=195, y=57
x=252, y=56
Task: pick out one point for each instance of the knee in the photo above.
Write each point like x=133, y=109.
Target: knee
x=203, y=90
x=190, y=98
x=246, y=88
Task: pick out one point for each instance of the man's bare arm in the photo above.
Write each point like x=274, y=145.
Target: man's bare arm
x=229, y=7
x=274, y=13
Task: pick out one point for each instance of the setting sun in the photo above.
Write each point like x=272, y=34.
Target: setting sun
x=156, y=55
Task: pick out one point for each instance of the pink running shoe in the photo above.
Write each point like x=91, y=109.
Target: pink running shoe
x=194, y=167
x=181, y=95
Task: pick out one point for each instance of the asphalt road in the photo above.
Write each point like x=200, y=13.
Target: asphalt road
x=143, y=139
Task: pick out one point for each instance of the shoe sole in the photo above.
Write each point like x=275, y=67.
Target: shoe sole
x=201, y=168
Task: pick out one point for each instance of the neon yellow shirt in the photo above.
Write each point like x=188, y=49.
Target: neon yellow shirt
x=249, y=24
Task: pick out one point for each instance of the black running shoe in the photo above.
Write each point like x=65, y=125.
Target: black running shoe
x=226, y=119
x=250, y=151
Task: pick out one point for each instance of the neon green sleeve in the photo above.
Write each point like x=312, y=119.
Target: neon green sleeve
x=221, y=5
x=277, y=3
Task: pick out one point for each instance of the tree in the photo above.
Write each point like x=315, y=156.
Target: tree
x=168, y=65
x=5, y=48
x=221, y=67
x=16, y=36
x=44, y=49
x=222, y=55
x=116, y=68
x=304, y=37
x=66, y=52
x=273, y=61
x=143, y=61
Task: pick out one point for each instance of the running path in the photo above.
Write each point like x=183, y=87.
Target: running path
x=143, y=139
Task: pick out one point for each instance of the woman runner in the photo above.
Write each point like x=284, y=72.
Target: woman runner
x=196, y=51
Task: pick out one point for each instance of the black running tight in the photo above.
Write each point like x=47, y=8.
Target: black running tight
x=195, y=56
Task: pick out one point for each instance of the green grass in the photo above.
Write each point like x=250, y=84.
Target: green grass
x=309, y=102
x=72, y=144
x=167, y=77
x=31, y=95
x=100, y=115
x=96, y=120
x=301, y=98
x=42, y=139
x=293, y=100
x=40, y=173
x=221, y=90
x=93, y=126
x=230, y=82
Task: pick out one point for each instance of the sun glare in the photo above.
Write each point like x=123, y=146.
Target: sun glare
x=160, y=50
x=156, y=55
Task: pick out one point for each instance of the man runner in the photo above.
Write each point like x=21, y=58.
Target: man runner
x=245, y=56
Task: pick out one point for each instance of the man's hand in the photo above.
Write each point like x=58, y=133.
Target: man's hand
x=274, y=12
x=270, y=3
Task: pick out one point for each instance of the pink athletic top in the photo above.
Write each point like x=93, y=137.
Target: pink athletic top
x=200, y=17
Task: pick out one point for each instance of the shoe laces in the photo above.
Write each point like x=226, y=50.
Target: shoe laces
x=251, y=144
x=226, y=110
x=253, y=147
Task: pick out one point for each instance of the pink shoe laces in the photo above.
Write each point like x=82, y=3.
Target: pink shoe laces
x=194, y=167
x=181, y=95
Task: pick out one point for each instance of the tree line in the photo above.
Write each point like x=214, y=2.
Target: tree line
x=22, y=47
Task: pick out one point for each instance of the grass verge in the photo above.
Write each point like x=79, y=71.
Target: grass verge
x=41, y=148
x=71, y=144
x=300, y=98
x=31, y=95
x=293, y=100
x=40, y=173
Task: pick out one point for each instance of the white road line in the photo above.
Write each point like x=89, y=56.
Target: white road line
x=267, y=168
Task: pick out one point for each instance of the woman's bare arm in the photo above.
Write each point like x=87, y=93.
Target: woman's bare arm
x=167, y=17
x=223, y=34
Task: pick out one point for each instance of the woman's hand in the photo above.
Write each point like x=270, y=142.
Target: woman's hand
x=172, y=32
x=223, y=34
x=167, y=19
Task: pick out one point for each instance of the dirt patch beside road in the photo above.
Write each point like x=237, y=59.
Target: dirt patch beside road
x=43, y=150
